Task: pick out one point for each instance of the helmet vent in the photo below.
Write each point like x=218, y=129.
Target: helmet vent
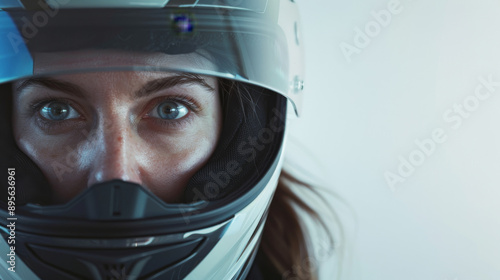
x=116, y=201
x=116, y=272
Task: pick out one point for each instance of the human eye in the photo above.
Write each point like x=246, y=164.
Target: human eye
x=173, y=112
x=169, y=110
x=58, y=111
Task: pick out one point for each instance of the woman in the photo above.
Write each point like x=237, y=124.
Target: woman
x=148, y=143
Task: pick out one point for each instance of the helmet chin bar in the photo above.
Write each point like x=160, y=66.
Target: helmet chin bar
x=114, y=200
x=114, y=247
x=154, y=257
x=114, y=258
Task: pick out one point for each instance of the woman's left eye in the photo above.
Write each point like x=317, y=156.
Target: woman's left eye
x=169, y=110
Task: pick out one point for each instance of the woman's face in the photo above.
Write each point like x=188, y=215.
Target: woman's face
x=155, y=129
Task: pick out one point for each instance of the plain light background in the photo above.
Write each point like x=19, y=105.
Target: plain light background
x=365, y=111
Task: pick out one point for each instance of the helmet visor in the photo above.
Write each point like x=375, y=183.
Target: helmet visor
x=234, y=44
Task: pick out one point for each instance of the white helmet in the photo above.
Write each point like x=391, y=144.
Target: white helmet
x=118, y=229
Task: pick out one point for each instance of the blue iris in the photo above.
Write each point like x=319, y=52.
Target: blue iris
x=56, y=111
x=168, y=110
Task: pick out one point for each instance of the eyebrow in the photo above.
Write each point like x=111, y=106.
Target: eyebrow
x=172, y=81
x=52, y=84
x=150, y=87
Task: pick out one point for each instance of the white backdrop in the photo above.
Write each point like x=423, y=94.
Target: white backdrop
x=401, y=119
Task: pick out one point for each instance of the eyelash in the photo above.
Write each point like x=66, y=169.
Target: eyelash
x=182, y=99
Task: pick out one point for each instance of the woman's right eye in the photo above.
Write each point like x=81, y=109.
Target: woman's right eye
x=58, y=111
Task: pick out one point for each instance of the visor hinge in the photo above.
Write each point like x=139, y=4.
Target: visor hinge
x=298, y=85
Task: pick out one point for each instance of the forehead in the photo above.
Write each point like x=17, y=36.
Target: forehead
x=110, y=60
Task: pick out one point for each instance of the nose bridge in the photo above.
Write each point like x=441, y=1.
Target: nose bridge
x=114, y=157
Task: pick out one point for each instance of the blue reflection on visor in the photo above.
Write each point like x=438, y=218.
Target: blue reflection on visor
x=15, y=59
x=183, y=24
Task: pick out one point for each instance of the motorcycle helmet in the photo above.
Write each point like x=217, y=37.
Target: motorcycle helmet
x=118, y=229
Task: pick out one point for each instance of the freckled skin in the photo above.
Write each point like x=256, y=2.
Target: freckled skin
x=125, y=142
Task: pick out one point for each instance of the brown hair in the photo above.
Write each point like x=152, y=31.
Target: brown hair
x=286, y=240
